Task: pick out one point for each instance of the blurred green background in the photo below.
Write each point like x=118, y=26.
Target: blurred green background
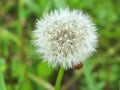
x=22, y=67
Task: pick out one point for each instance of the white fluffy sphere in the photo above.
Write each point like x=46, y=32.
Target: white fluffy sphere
x=65, y=38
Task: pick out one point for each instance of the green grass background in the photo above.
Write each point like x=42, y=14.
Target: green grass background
x=22, y=67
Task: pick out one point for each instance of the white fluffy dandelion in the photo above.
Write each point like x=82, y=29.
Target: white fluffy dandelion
x=65, y=38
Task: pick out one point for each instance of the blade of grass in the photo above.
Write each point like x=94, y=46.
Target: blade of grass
x=60, y=4
x=2, y=84
x=2, y=67
x=40, y=81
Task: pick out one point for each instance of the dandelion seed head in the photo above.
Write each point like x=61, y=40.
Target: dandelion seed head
x=65, y=38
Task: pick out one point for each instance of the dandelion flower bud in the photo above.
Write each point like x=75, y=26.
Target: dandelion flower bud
x=65, y=38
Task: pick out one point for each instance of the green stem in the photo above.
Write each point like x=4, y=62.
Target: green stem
x=59, y=78
x=2, y=84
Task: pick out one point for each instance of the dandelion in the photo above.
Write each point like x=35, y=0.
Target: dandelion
x=65, y=38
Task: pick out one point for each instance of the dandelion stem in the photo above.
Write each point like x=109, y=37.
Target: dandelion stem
x=59, y=78
x=2, y=84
